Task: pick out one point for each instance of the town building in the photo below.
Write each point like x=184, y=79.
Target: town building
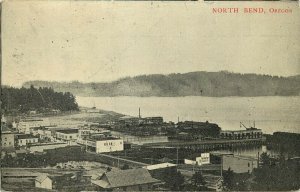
x=239, y=164
x=25, y=125
x=203, y=159
x=102, y=144
x=67, y=135
x=126, y=180
x=249, y=133
x=7, y=139
x=25, y=139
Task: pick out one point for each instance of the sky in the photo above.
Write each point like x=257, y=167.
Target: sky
x=95, y=41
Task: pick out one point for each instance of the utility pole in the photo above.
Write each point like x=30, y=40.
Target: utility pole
x=221, y=165
x=177, y=156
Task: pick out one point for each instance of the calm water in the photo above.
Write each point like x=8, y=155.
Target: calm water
x=269, y=113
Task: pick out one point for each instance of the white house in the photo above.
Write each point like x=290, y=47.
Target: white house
x=43, y=181
x=25, y=139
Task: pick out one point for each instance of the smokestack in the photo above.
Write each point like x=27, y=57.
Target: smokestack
x=139, y=112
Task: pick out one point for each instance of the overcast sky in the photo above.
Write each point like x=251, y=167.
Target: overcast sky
x=103, y=41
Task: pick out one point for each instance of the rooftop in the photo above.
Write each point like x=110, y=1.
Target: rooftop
x=245, y=130
x=103, y=138
x=129, y=177
x=242, y=157
x=159, y=166
x=68, y=131
x=26, y=136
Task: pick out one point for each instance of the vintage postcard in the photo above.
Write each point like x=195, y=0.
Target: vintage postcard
x=150, y=95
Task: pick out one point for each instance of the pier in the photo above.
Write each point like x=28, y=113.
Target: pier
x=207, y=145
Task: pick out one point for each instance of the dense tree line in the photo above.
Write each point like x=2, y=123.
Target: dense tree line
x=215, y=84
x=42, y=99
x=284, y=142
x=280, y=175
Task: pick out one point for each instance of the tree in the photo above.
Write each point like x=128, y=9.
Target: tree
x=228, y=177
x=125, y=166
x=198, y=182
x=265, y=159
x=173, y=179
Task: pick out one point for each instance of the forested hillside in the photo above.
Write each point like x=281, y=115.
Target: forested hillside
x=214, y=84
x=41, y=99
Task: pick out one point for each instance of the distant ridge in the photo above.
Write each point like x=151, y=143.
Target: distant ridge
x=213, y=84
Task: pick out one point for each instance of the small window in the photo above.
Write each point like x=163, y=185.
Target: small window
x=248, y=164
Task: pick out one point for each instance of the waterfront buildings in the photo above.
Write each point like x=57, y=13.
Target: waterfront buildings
x=239, y=164
x=199, y=129
x=249, y=133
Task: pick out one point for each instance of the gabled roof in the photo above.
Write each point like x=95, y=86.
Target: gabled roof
x=212, y=180
x=41, y=178
x=129, y=177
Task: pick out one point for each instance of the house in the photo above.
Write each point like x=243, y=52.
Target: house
x=239, y=164
x=25, y=139
x=64, y=182
x=7, y=139
x=43, y=181
x=127, y=180
x=213, y=182
x=102, y=143
x=157, y=171
x=68, y=135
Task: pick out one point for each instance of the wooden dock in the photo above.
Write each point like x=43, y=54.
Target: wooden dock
x=207, y=145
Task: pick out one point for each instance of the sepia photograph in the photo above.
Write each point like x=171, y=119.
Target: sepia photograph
x=150, y=96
